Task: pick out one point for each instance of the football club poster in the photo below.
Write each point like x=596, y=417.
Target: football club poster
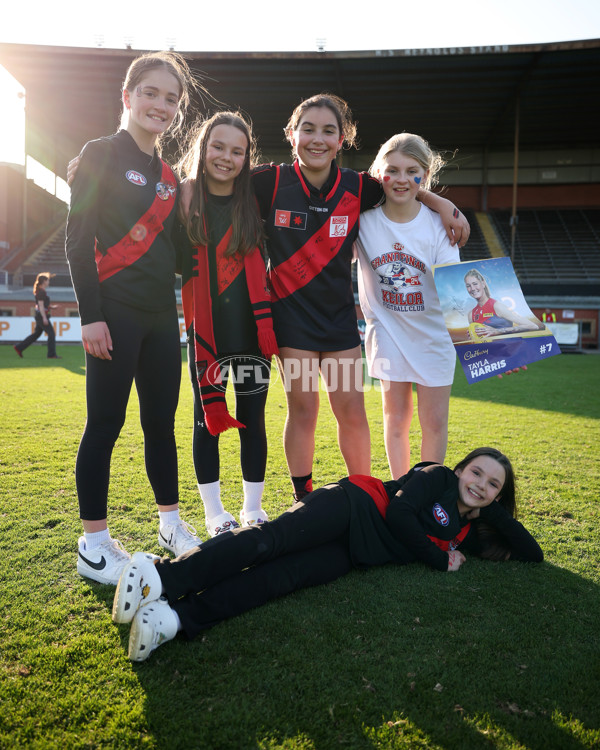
x=491, y=326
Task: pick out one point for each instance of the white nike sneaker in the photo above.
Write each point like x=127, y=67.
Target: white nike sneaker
x=104, y=563
x=178, y=538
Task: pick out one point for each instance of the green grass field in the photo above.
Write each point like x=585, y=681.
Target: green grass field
x=498, y=655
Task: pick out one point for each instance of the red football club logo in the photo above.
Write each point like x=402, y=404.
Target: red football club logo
x=290, y=219
x=282, y=218
x=338, y=226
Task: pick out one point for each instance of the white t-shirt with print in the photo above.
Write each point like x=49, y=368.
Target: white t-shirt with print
x=406, y=339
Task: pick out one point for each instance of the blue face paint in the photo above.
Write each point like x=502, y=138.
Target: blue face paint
x=418, y=180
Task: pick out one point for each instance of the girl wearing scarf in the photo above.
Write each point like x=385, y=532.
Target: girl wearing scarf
x=227, y=312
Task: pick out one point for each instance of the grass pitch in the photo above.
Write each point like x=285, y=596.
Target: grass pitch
x=500, y=655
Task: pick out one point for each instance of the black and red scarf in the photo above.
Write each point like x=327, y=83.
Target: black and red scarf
x=208, y=369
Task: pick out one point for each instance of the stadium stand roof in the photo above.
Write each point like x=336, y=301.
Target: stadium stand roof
x=455, y=97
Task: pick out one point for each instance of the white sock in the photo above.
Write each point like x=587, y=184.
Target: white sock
x=253, y=492
x=211, y=497
x=168, y=517
x=95, y=539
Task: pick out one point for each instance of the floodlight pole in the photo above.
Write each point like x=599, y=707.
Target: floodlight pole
x=514, y=219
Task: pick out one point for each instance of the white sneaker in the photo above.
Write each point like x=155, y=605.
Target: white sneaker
x=104, y=563
x=154, y=624
x=221, y=523
x=178, y=538
x=139, y=584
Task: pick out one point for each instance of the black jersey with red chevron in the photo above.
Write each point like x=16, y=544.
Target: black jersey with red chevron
x=119, y=243
x=310, y=235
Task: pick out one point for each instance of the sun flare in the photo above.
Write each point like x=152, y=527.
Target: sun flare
x=12, y=125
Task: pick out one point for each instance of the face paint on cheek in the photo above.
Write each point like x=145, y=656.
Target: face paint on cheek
x=386, y=178
x=418, y=180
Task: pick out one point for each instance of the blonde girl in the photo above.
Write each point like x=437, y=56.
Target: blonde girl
x=490, y=317
x=406, y=340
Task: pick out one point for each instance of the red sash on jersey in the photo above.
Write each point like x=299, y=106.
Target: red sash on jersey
x=216, y=416
x=309, y=260
x=446, y=545
x=139, y=239
x=374, y=488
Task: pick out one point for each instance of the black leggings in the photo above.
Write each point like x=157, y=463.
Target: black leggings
x=39, y=329
x=250, y=374
x=146, y=348
x=244, y=568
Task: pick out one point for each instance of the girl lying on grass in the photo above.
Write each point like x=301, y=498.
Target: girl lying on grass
x=357, y=522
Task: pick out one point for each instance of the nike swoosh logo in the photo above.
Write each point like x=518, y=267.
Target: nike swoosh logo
x=167, y=541
x=95, y=565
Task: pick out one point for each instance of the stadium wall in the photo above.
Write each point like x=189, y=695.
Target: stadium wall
x=481, y=198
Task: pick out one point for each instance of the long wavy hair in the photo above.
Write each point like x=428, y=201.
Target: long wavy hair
x=247, y=229
x=177, y=66
x=493, y=546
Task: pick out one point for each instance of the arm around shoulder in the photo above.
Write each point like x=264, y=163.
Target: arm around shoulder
x=455, y=223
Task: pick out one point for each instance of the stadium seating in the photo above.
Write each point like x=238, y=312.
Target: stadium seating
x=553, y=245
x=49, y=257
x=550, y=246
x=476, y=248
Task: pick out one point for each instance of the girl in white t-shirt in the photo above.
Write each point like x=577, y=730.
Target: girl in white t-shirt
x=406, y=340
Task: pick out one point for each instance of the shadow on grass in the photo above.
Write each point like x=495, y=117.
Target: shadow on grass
x=498, y=654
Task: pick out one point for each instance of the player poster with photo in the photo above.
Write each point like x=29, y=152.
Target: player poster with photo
x=488, y=319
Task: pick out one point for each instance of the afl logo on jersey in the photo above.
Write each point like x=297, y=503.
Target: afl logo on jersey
x=136, y=178
x=440, y=515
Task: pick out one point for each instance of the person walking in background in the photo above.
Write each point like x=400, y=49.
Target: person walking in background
x=227, y=312
x=122, y=261
x=406, y=340
x=358, y=522
x=42, y=318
